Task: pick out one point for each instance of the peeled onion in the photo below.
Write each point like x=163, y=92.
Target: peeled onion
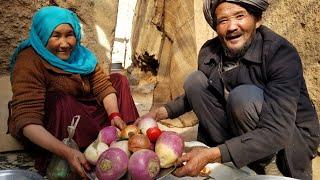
x=146, y=123
x=112, y=164
x=138, y=141
x=108, y=135
x=169, y=147
x=144, y=164
x=129, y=131
x=123, y=145
x=94, y=150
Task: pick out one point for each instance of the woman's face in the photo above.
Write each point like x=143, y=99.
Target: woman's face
x=62, y=41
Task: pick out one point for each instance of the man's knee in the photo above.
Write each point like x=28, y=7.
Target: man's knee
x=245, y=102
x=195, y=82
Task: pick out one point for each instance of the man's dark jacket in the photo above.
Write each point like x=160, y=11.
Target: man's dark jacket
x=288, y=122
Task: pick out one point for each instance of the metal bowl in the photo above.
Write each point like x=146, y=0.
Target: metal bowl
x=20, y=174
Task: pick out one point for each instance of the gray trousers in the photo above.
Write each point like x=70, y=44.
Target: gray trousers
x=220, y=119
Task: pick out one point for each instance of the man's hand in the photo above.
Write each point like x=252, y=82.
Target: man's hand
x=118, y=122
x=194, y=161
x=77, y=161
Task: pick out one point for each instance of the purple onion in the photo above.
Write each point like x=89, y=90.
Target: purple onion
x=144, y=165
x=108, y=135
x=169, y=147
x=112, y=164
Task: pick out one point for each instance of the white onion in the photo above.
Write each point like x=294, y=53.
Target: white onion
x=146, y=123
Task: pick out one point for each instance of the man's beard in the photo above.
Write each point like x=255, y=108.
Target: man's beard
x=239, y=52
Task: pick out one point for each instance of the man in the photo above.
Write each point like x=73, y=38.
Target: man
x=249, y=95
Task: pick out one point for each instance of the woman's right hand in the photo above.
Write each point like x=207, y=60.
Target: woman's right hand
x=77, y=161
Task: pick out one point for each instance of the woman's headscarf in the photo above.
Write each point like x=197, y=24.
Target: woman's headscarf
x=209, y=7
x=44, y=22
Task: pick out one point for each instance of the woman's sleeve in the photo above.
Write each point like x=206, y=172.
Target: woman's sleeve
x=101, y=84
x=28, y=87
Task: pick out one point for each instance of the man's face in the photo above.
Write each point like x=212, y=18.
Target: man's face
x=235, y=27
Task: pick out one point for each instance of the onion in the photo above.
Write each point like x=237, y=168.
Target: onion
x=108, y=135
x=112, y=164
x=169, y=147
x=138, y=141
x=123, y=145
x=146, y=123
x=144, y=164
x=94, y=150
x=129, y=131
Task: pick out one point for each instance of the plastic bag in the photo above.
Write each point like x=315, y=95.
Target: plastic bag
x=59, y=168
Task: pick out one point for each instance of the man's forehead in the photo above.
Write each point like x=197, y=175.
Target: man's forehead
x=226, y=9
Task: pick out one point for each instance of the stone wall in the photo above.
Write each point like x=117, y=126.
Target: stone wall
x=98, y=19
x=170, y=33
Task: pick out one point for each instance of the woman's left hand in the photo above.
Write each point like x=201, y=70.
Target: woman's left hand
x=118, y=122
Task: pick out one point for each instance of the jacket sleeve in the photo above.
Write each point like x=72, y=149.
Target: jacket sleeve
x=101, y=84
x=277, y=118
x=177, y=107
x=28, y=87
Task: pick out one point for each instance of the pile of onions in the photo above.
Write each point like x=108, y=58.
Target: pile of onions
x=94, y=150
x=146, y=123
x=129, y=131
x=108, y=135
x=169, y=147
x=123, y=145
x=112, y=164
x=144, y=164
x=137, y=142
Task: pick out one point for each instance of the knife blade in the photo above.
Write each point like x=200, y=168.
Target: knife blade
x=165, y=172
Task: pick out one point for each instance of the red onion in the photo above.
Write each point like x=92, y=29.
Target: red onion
x=112, y=164
x=169, y=147
x=146, y=123
x=144, y=164
x=108, y=135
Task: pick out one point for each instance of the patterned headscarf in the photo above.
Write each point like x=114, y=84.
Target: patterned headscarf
x=44, y=22
x=209, y=7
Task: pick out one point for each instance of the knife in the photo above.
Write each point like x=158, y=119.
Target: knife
x=165, y=172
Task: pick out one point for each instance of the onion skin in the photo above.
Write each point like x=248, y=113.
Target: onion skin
x=146, y=123
x=138, y=141
x=129, y=131
x=169, y=147
x=123, y=145
x=108, y=135
x=144, y=165
x=112, y=164
x=94, y=150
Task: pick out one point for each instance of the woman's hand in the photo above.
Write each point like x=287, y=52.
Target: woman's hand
x=77, y=161
x=194, y=161
x=118, y=122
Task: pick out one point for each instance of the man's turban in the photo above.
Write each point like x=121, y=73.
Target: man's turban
x=209, y=7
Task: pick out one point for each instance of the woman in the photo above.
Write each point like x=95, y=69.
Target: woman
x=53, y=79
